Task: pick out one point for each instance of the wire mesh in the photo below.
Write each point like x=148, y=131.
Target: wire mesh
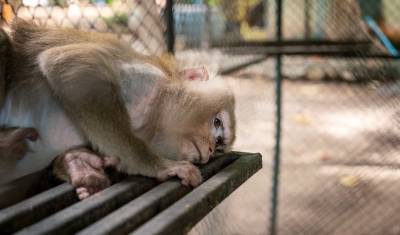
x=341, y=123
x=135, y=21
x=340, y=145
x=341, y=119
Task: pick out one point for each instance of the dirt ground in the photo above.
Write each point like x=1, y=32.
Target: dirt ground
x=340, y=160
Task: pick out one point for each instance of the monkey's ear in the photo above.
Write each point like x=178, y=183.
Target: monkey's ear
x=195, y=74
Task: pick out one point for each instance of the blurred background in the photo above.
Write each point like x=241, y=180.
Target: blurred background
x=317, y=85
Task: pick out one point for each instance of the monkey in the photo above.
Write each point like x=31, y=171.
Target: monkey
x=13, y=141
x=5, y=50
x=96, y=102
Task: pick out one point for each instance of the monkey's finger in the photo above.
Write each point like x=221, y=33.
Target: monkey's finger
x=111, y=162
x=103, y=183
x=82, y=193
x=196, y=178
x=171, y=174
x=185, y=181
x=32, y=135
x=93, y=160
x=92, y=189
x=193, y=174
x=189, y=178
x=80, y=190
x=97, y=180
x=198, y=181
x=24, y=133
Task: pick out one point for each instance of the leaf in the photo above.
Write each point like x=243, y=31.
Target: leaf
x=350, y=181
x=302, y=119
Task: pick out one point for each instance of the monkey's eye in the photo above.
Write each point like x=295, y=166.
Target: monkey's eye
x=219, y=141
x=217, y=122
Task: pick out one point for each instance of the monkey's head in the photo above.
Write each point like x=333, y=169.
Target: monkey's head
x=197, y=121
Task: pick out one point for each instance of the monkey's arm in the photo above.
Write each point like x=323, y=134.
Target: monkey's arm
x=83, y=77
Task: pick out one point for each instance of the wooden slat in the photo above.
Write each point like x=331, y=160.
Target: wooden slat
x=138, y=211
x=85, y=212
x=185, y=213
x=35, y=208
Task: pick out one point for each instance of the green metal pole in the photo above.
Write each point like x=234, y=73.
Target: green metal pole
x=278, y=116
x=307, y=19
x=169, y=15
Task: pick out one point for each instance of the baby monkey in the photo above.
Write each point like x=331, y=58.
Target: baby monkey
x=139, y=114
x=13, y=141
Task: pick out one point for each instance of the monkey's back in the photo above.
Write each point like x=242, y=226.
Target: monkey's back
x=29, y=40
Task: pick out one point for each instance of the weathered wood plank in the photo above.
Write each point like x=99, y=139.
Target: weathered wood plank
x=136, y=212
x=85, y=212
x=185, y=213
x=143, y=208
x=35, y=208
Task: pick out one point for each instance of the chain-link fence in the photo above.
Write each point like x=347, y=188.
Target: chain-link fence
x=335, y=64
x=340, y=137
x=139, y=22
x=340, y=116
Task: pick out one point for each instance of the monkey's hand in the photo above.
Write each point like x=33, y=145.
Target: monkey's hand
x=186, y=171
x=13, y=142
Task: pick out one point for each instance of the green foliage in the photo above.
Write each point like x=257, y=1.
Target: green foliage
x=213, y=2
x=117, y=19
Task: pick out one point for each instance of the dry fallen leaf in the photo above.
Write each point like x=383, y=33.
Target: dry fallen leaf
x=325, y=157
x=349, y=181
x=302, y=119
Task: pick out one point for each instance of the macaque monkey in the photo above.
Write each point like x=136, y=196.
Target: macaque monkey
x=96, y=103
x=13, y=141
x=5, y=53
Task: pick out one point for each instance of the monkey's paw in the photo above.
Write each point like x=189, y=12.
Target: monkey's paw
x=85, y=172
x=90, y=183
x=186, y=171
x=13, y=142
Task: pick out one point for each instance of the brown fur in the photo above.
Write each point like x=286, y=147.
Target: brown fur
x=5, y=53
x=82, y=70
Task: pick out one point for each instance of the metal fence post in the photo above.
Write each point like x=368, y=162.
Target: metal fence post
x=170, y=31
x=278, y=117
x=307, y=19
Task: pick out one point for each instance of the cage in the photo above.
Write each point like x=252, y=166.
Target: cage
x=317, y=90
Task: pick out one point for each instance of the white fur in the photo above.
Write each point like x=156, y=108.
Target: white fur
x=57, y=133
x=224, y=116
x=138, y=84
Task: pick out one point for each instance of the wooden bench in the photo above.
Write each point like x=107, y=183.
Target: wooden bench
x=133, y=205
